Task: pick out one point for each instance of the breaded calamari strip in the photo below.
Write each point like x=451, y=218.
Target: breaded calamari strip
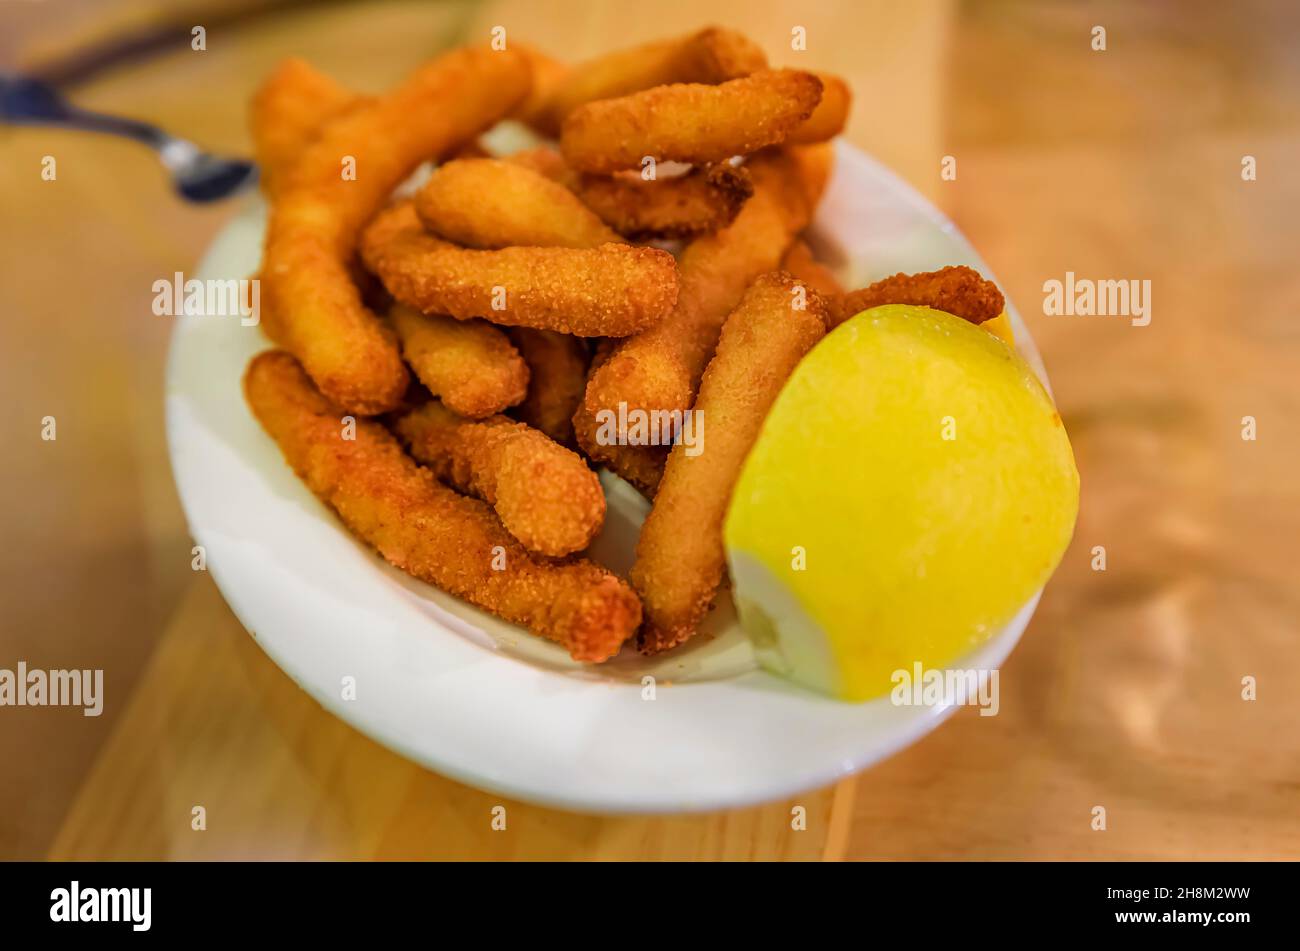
x=545, y=160
x=427, y=529
x=491, y=203
x=557, y=368
x=958, y=290
x=338, y=182
x=544, y=494
x=642, y=466
x=680, y=555
x=704, y=199
x=689, y=122
x=801, y=264
x=468, y=364
x=609, y=291
x=661, y=368
x=287, y=113
x=712, y=55
x=827, y=120
x=548, y=75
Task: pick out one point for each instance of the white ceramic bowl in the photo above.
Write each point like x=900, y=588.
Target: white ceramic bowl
x=483, y=701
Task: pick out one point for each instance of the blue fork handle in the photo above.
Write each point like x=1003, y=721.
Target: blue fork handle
x=24, y=100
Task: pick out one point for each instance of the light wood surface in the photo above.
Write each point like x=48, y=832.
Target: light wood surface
x=1126, y=691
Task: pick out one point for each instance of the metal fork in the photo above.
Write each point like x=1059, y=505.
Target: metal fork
x=197, y=175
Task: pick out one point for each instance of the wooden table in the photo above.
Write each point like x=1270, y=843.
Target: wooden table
x=1126, y=691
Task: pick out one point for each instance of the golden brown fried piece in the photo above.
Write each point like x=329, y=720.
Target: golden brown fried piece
x=680, y=556
x=491, y=203
x=958, y=290
x=800, y=263
x=704, y=199
x=427, y=529
x=544, y=494
x=827, y=120
x=548, y=162
x=661, y=368
x=287, y=113
x=548, y=74
x=557, y=367
x=469, y=364
x=689, y=122
x=314, y=308
x=712, y=55
x=609, y=291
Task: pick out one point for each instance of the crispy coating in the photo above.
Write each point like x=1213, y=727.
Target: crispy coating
x=547, y=75
x=544, y=494
x=490, y=203
x=314, y=307
x=800, y=263
x=958, y=290
x=704, y=199
x=827, y=120
x=712, y=55
x=427, y=529
x=680, y=555
x=557, y=367
x=689, y=122
x=469, y=364
x=546, y=161
x=661, y=368
x=612, y=290
x=287, y=113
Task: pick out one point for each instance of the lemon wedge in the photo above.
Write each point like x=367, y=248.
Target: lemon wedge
x=912, y=487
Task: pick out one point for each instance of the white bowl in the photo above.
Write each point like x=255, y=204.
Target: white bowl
x=480, y=700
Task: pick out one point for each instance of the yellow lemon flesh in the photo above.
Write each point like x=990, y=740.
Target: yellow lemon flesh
x=912, y=487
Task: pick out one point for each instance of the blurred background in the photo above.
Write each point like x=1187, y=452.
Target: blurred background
x=1126, y=691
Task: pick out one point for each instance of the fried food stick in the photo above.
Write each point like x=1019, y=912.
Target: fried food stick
x=544, y=494
x=427, y=529
x=314, y=307
x=547, y=74
x=557, y=367
x=612, y=290
x=800, y=263
x=491, y=203
x=704, y=199
x=712, y=55
x=689, y=122
x=468, y=364
x=680, y=556
x=827, y=120
x=661, y=368
x=288, y=111
x=958, y=290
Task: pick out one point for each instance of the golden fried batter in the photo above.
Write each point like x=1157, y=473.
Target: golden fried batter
x=799, y=262
x=557, y=368
x=492, y=203
x=427, y=529
x=689, y=122
x=314, y=308
x=469, y=364
x=287, y=113
x=712, y=55
x=957, y=290
x=827, y=120
x=661, y=368
x=704, y=199
x=544, y=494
x=612, y=290
x=680, y=554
